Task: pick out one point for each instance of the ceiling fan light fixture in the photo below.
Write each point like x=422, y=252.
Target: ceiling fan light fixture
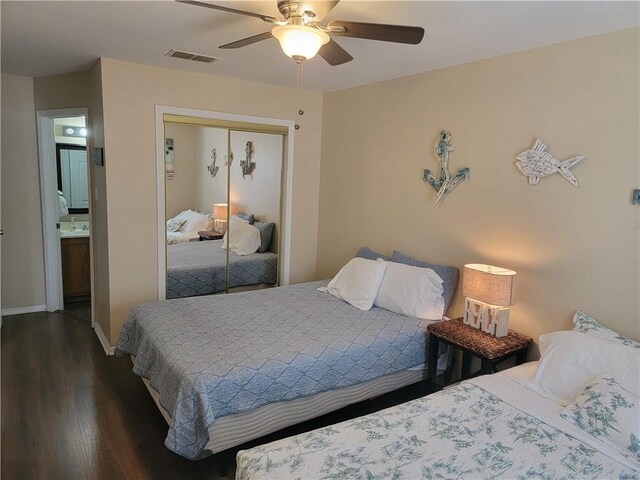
x=300, y=42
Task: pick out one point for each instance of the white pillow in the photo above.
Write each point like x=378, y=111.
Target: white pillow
x=196, y=221
x=244, y=239
x=572, y=360
x=411, y=291
x=611, y=414
x=358, y=282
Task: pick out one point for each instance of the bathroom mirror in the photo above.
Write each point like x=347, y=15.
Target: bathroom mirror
x=222, y=206
x=72, y=176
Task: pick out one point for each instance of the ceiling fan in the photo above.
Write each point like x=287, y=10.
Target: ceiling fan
x=301, y=35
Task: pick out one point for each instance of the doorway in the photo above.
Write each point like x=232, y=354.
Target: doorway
x=65, y=187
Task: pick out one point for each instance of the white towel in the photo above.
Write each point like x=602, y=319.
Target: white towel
x=62, y=205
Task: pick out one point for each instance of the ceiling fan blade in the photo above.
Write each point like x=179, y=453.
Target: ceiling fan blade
x=320, y=7
x=378, y=31
x=334, y=54
x=247, y=41
x=264, y=18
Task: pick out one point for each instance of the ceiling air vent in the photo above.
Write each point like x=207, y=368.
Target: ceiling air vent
x=196, y=57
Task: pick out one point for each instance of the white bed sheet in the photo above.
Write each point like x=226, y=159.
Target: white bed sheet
x=505, y=385
x=181, y=237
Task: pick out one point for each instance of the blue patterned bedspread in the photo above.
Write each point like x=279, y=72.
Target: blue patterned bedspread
x=200, y=268
x=209, y=357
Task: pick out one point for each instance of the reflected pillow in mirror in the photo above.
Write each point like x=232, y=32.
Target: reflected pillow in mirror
x=247, y=217
x=266, y=235
x=244, y=239
x=175, y=224
x=197, y=221
x=366, y=252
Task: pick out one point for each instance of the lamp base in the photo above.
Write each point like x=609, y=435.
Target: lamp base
x=491, y=319
x=220, y=225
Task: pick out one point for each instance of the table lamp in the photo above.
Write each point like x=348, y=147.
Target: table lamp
x=488, y=291
x=220, y=217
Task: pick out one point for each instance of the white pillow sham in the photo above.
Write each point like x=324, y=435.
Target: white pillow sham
x=586, y=324
x=358, y=282
x=571, y=360
x=196, y=221
x=411, y=291
x=244, y=239
x=611, y=414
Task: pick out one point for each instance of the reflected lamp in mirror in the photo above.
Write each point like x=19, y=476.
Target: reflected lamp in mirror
x=488, y=291
x=220, y=218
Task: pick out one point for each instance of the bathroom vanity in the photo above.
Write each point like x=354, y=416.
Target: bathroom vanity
x=76, y=263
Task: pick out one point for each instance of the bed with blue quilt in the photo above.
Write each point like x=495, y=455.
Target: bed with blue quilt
x=225, y=369
x=200, y=268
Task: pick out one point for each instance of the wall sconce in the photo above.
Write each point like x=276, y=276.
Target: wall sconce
x=488, y=291
x=220, y=217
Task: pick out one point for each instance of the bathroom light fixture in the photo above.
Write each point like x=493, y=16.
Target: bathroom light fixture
x=70, y=131
x=489, y=292
x=300, y=42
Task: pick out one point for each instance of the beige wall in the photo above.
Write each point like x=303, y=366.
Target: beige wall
x=22, y=248
x=181, y=190
x=573, y=248
x=130, y=93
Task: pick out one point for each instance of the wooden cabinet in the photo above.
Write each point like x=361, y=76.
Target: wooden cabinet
x=76, y=266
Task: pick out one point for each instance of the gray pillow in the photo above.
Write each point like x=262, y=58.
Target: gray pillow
x=449, y=275
x=249, y=217
x=367, y=253
x=266, y=235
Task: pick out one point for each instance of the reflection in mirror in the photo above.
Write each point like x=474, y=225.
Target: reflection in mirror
x=254, y=191
x=206, y=202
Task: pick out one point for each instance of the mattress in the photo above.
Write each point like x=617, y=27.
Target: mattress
x=234, y=430
x=199, y=268
x=211, y=357
x=489, y=427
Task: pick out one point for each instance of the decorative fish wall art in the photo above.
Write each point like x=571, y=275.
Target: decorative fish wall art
x=445, y=183
x=248, y=165
x=536, y=163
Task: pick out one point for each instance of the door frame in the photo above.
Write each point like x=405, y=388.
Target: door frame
x=287, y=194
x=49, y=205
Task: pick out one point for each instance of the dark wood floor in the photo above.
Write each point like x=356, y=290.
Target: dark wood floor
x=71, y=412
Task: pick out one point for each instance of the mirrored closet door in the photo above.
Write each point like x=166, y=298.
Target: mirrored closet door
x=223, y=188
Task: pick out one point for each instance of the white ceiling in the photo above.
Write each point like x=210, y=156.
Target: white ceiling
x=51, y=37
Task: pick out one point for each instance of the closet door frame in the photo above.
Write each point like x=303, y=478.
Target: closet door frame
x=286, y=194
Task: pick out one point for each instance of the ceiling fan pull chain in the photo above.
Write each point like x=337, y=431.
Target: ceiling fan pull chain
x=300, y=90
x=301, y=87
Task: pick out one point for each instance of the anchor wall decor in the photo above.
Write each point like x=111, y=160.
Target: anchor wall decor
x=247, y=165
x=213, y=168
x=445, y=183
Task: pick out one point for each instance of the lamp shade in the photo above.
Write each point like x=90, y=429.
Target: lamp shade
x=300, y=41
x=488, y=284
x=220, y=211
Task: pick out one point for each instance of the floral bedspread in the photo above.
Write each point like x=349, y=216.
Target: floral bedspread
x=462, y=432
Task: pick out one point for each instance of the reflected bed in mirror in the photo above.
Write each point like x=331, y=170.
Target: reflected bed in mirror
x=203, y=210
x=199, y=268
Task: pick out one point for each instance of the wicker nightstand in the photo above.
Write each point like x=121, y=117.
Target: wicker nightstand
x=473, y=342
x=210, y=235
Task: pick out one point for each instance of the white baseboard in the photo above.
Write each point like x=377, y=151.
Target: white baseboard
x=108, y=349
x=19, y=310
